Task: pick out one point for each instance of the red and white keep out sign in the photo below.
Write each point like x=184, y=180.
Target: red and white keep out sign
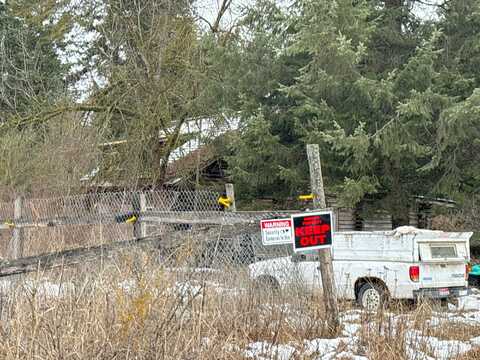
x=276, y=231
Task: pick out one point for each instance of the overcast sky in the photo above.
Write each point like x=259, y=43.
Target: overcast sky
x=209, y=9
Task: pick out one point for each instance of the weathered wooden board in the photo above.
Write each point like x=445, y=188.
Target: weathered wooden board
x=73, y=256
x=159, y=217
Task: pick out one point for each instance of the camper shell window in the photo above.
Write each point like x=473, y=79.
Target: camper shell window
x=434, y=251
x=443, y=251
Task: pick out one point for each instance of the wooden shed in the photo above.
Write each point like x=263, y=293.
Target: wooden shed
x=357, y=219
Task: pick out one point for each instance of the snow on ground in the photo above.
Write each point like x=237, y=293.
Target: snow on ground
x=470, y=302
x=266, y=351
x=347, y=346
x=350, y=329
x=441, y=349
x=418, y=346
x=351, y=316
x=327, y=349
x=40, y=288
x=321, y=349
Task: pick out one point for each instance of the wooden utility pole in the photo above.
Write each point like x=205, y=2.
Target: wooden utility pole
x=16, y=245
x=324, y=255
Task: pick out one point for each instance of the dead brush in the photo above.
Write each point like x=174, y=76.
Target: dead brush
x=406, y=334
x=381, y=335
x=288, y=317
x=135, y=306
x=451, y=330
x=117, y=313
x=473, y=354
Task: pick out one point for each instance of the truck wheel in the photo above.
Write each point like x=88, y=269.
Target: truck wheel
x=372, y=297
x=266, y=283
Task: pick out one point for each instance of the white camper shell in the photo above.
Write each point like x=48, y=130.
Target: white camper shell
x=406, y=263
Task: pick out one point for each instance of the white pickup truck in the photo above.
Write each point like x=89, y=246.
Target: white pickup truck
x=372, y=267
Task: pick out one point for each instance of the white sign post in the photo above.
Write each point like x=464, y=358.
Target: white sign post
x=276, y=231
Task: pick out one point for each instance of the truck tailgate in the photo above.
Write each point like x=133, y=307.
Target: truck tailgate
x=442, y=275
x=442, y=264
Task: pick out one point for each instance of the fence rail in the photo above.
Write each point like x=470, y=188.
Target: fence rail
x=164, y=217
x=33, y=227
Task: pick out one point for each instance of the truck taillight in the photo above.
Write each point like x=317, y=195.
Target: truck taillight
x=468, y=270
x=414, y=273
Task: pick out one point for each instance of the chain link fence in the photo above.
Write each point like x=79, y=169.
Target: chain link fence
x=221, y=238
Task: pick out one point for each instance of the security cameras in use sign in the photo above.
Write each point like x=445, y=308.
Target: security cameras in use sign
x=312, y=231
x=276, y=231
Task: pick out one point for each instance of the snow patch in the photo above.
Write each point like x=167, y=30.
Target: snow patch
x=440, y=349
x=324, y=347
x=470, y=302
x=47, y=289
x=186, y=289
x=406, y=230
x=264, y=350
x=347, y=355
x=351, y=315
x=351, y=329
x=475, y=341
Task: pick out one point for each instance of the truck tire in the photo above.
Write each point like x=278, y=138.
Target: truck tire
x=266, y=283
x=372, y=297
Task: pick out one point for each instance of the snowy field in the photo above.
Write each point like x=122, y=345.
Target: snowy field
x=357, y=325
x=417, y=333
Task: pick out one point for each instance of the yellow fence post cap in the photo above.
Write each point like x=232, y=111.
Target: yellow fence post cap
x=306, y=197
x=131, y=220
x=225, y=201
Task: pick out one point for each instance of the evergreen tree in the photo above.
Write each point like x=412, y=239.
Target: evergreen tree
x=375, y=89
x=456, y=160
x=267, y=160
x=31, y=74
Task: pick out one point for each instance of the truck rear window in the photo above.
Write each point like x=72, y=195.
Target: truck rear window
x=442, y=252
x=437, y=251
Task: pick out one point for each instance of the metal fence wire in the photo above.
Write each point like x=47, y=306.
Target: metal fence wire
x=221, y=238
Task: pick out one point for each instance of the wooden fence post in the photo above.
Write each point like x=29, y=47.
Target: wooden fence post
x=231, y=195
x=16, y=245
x=324, y=255
x=139, y=206
x=143, y=208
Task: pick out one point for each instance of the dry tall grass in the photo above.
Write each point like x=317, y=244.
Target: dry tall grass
x=136, y=307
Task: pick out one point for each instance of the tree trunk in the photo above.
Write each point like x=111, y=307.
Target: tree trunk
x=170, y=146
